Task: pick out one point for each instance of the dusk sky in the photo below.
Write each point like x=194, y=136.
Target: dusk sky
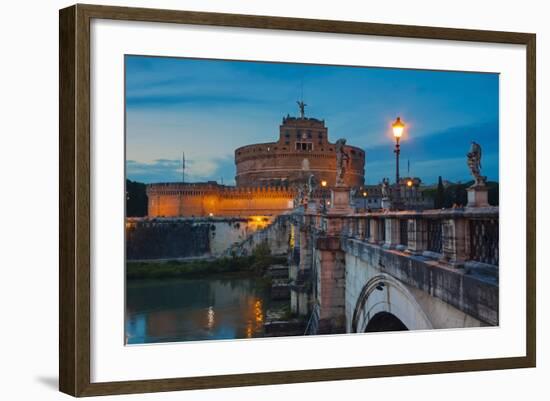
x=207, y=108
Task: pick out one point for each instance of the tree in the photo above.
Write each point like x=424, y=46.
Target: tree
x=440, y=194
x=136, y=199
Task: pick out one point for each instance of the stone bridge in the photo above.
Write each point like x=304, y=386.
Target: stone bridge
x=356, y=271
x=362, y=272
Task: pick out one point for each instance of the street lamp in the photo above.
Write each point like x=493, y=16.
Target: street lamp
x=398, y=127
x=365, y=194
x=324, y=185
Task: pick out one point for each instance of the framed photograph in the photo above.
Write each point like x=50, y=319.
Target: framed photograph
x=250, y=200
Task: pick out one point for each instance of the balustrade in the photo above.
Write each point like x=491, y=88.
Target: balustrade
x=435, y=236
x=381, y=230
x=404, y=232
x=457, y=236
x=484, y=240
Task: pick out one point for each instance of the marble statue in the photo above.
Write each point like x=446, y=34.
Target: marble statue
x=342, y=161
x=385, y=188
x=474, y=164
x=311, y=185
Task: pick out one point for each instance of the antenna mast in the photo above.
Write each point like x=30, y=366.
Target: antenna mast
x=183, y=167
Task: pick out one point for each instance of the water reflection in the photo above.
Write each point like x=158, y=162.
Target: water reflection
x=211, y=317
x=185, y=310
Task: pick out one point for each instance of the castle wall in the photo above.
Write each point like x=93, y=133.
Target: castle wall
x=255, y=168
x=197, y=200
x=256, y=205
x=171, y=205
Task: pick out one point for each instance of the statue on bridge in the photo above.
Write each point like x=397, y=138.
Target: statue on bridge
x=474, y=164
x=299, y=199
x=385, y=188
x=311, y=185
x=342, y=162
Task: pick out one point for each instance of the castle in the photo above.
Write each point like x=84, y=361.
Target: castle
x=268, y=175
x=303, y=148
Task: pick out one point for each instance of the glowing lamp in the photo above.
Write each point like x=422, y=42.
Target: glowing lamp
x=409, y=183
x=365, y=194
x=324, y=183
x=398, y=128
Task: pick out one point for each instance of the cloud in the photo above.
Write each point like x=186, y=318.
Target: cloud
x=208, y=108
x=161, y=170
x=165, y=170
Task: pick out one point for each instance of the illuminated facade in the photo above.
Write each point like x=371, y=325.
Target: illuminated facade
x=211, y=199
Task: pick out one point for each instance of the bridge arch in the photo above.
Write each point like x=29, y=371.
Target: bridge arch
x=385, y=321
x=385, y=304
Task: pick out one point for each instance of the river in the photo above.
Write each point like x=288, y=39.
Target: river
x=195, y=309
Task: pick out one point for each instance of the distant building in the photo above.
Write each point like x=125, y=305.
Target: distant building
x=412, y=193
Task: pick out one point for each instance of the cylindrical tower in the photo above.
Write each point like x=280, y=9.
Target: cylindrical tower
x=303, y=148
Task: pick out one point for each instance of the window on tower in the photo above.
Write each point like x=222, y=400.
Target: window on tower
x=304, y=146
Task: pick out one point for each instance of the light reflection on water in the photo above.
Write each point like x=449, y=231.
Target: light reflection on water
x=186, y=310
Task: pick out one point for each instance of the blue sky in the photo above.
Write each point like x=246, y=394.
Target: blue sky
x=207, y=108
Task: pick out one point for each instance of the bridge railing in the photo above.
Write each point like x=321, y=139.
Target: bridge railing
x=456, y=236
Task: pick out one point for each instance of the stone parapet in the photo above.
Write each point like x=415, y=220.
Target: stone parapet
x=455, y=236
x=474, y=294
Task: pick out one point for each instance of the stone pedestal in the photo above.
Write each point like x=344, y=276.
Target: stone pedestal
x=331, y=285
x=361, y=229
x=478, y=196
x=373, y=230
x=455, y=241
x=418, y=236
x=311, y=206
x=340, y=201
x=386, y=203
x=392, y=233
x=305, y=250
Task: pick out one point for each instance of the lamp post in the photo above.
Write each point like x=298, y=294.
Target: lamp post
x=398, y=128
x=365, y=194
x=324, y=185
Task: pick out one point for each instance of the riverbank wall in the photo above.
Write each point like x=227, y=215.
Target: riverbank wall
x=178, y=238
x=276, y=235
